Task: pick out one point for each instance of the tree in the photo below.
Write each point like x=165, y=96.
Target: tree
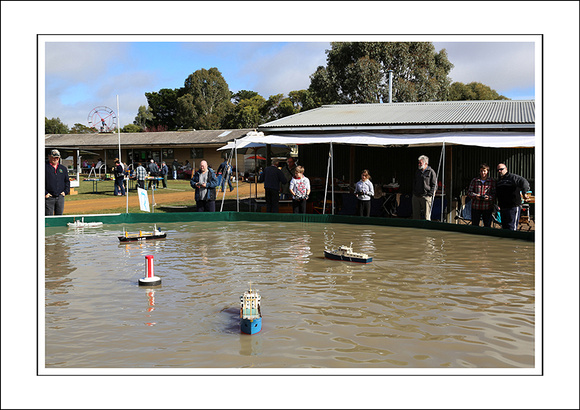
x=81, y=129
x=247, y=113
x=55, y=126
x=131, y=128
x=209, y=97
x=472, y=91
x=163, y=105
x=144, y=117
x=358, y=72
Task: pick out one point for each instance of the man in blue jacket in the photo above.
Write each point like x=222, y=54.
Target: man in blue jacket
x=509, y=189
x=204, y=181
x=56, y=186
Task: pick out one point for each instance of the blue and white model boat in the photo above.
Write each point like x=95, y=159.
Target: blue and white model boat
x=250, y=312
x=345, y=253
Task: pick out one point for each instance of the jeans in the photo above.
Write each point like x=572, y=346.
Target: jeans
x=119, y=186
x=299, y=206
x=477, y=215
x=363, y=208
x=54, y=205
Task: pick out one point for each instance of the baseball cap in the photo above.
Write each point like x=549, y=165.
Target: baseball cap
x=55, y=153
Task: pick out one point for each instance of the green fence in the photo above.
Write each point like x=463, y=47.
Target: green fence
x=151, y=218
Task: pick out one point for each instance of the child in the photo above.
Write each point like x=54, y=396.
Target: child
x=364, y=191
x=300, y=189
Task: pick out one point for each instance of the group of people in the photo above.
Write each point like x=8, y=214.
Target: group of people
x=483, y=191
x=290, y=182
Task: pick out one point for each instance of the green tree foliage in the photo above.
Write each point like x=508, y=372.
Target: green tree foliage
x=55, y=126
x=163, y=105
x=81, y=129
x=209, y=97
x=472, y=91
x=132, y=128
x=358, y=72
x=144, y=117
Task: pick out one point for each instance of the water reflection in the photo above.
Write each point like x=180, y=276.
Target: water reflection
x=428, y=299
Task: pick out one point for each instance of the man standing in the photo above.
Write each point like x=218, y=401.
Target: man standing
x=272, y=177
x=204, y=182
x=164, y=171
x=119, y=173
x=424, y=187
x=140, y=174
x=175, y=167
x=153, y=171
x=509, y=189
x=57, y=185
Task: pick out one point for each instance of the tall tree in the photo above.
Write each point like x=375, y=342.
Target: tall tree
x=55, y=126
x=79, y=128
x=358, y=72
x=163, y=106
x=209, y=96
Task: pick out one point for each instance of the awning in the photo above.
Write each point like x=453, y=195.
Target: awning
x=482, y=139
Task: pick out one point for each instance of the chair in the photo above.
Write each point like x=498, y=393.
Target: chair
x=463, y=211
x=525, y=217
x=436, y=209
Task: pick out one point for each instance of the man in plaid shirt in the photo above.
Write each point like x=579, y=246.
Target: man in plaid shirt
x=140, y=174
x=482, y=193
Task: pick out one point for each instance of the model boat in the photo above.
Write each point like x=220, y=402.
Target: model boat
x=345, y=253
x=250, y=312
x=83, y=224
x=142, y=235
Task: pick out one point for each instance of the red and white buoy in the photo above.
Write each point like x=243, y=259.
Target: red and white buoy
x=150, y=279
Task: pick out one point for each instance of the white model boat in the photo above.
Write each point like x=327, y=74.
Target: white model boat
x=83, y=224
x=345, y=253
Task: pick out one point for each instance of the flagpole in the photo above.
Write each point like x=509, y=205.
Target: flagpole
x=125, y=179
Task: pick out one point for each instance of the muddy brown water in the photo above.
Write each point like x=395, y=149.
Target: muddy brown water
x=429, y=299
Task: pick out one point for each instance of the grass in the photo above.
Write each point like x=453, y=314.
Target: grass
x=105, y=189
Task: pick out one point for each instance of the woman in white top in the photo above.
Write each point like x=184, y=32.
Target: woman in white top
x=364, y=191
x=300, y=189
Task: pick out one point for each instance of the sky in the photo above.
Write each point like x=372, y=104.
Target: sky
x=83, y=74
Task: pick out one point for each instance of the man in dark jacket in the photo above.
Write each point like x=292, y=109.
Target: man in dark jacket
x=509, y=189
x=424, y=187
x=272, y=177
x=56, y=186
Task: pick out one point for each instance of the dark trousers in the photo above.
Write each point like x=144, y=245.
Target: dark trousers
x=205, y=206
x=54, y=205
x=119, y=186
x=272, y=200
x=510, y=218
x=141, y=183
x=299, y=206
x=363, y=208
x=477, y=215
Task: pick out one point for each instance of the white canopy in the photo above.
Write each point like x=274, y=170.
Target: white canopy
x=495, y=139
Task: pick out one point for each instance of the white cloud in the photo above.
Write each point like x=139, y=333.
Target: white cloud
x=287, y=70
x=501, y=65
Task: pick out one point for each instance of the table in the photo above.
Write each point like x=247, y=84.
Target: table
x=95, y=182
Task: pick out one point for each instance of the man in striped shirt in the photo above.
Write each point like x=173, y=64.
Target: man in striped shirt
x=140, y=174
x=482, y=193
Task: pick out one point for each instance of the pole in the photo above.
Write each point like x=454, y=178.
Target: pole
x=125, y=179
x=332, y=176
x=238, y=178
x=326, y=185
x=443, y=183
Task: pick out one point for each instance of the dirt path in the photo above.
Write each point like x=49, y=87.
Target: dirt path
x=162, y=197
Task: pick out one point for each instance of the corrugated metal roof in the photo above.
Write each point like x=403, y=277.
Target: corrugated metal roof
x=418, y=113
x=168, y=138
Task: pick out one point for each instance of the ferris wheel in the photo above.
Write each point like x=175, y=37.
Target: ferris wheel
x=102, y=119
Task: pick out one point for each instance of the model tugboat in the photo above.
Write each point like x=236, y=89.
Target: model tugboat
x=345, y=253
x=142, y=236
x=83, y=224
x=250, y=312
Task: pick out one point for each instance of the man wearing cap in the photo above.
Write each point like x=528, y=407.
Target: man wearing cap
x=57, y=185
